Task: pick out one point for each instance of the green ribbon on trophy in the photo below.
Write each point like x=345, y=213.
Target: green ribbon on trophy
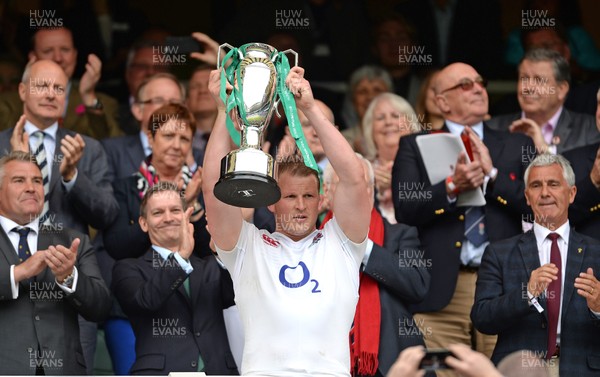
x=286, y=97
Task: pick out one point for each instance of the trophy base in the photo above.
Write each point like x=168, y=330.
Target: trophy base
x=247, y=179
x=247, y=190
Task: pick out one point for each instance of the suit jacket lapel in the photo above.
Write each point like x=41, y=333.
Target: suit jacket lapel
x=58, y=156
x=7, y=249
x=196, y=282
x=136, y=151
x=493, y=141
x=149, y=257
x=529, y=252
x=531, y=259
x=575, y=255
x=74, y=100
x=563, y=126
x=45, y=240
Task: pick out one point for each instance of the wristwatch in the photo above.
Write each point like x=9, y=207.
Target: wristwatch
x=68, y=281
x=96, y=106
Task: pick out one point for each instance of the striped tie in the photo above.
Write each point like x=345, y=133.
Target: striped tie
x=475, y=230
x=40, y=156
x=475, y=226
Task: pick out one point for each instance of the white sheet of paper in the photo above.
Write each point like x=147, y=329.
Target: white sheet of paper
x=439, y=153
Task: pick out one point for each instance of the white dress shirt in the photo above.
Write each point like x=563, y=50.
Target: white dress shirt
x=32, y=240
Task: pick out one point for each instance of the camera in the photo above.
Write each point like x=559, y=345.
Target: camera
x=435, y=359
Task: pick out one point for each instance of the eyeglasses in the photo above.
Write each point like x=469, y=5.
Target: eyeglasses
x=467, y=84
x=161, y=101
x=46, y=89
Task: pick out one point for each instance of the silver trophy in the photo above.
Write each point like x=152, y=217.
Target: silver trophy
x=248, y=174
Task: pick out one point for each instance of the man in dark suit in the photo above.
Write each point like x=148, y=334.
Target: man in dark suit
x=585, y=210
x=393, y=262
x=126, y=153
x=174, y=299
x=87, y=112
x=538, y=290
x=541, y=90
x=49, y=276
x=78, y=193
x=446, y=230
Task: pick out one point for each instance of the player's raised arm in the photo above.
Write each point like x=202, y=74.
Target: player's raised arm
x=224, y=220
x=351, y=203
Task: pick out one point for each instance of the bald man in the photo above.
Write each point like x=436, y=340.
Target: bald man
x=86, y=111
x=454, y=237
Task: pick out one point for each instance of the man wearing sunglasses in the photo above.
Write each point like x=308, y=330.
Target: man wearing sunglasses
x=454, y=237
x=542, y=89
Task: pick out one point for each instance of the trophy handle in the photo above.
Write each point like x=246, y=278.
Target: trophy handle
x=294, y=53
x=231, y=48
x=276, y=108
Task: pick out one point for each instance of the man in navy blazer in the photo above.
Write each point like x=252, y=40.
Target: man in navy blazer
x=538, y=291
x=498, y=166
x=174, y=299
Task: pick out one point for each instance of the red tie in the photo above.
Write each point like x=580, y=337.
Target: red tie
x=553, y=295
x=467, y=142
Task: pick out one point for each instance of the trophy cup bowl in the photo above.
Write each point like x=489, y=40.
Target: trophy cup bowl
x=248, y=174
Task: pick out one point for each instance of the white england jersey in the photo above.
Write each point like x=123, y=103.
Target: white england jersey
x=296, y=300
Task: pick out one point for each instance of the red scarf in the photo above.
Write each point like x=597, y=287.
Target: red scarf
x=367, y=318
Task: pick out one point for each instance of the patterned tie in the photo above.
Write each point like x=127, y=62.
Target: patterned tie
x=547, y=133
x=40, y=156
x=186, y=286
x=553, y=296
x=475, y=230
x=24, y=252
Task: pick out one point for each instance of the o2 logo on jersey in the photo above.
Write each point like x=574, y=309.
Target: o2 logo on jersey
x=305, y=277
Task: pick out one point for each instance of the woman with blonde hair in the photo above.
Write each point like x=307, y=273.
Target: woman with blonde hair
x=387, y=119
